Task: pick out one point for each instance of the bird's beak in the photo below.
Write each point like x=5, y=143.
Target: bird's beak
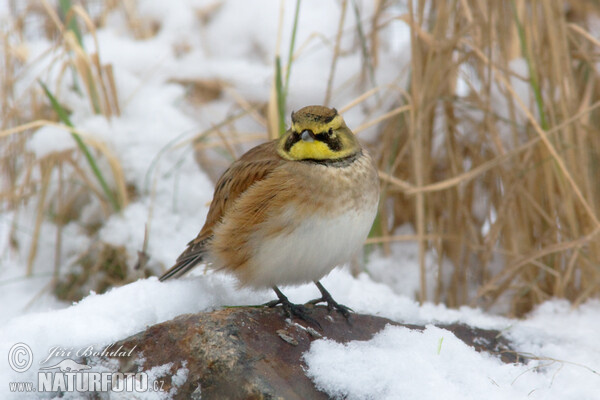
x=307, y=136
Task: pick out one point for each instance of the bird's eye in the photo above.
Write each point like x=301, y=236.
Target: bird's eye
x=330, y=132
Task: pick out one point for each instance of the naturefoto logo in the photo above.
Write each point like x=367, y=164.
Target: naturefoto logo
x=71, y=375
x=68, y=365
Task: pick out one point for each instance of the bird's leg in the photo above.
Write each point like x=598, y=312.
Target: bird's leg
x=331, y=303
x=290, y=308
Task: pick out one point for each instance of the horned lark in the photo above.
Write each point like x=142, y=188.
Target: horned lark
x=290, y=210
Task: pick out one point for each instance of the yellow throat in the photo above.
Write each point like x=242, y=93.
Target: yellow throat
x=317, y=133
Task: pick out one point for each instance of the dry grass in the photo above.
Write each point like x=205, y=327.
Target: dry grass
x=505, y=171
x=60, y=184
x=491, y=152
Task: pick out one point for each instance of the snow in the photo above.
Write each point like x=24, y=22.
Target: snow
x=399, y=363
x=396, y=363
x=407, y=364
x=172, y=196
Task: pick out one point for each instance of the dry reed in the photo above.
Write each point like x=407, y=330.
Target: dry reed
x=501, y=176
x=59, y=183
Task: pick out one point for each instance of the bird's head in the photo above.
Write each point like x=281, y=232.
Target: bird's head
x=317, y=133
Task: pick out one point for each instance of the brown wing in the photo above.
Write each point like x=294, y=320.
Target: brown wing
x=252, y=167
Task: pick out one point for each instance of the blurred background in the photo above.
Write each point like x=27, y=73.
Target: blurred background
x=117, y=117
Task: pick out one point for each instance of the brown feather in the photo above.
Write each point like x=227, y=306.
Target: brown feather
x=252, y=167
x=275, y=205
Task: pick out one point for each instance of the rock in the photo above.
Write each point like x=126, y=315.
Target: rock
x=256, y=353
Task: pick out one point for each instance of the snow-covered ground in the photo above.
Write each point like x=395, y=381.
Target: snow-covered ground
x=396, y=364
x=236, y=45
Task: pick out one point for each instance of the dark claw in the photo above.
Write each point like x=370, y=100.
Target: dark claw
x=331, y=303
x=291, y=309
x=272, y=303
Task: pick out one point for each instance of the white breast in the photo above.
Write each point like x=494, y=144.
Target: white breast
x=310, y=251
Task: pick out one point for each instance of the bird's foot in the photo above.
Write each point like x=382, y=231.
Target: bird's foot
x=291, y=309
x=331, y=303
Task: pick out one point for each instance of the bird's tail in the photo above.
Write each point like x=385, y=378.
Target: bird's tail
x=191, y=257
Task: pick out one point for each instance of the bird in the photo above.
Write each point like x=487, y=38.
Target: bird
x=290, y=210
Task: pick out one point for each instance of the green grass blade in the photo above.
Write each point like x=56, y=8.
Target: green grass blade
x=280, y=96
x=363, y=45
x=376, y=229
x=64, y=117
x=65, y=7
x=280, y=87
x=93, y=91
x=292, y=46
x=533, y=79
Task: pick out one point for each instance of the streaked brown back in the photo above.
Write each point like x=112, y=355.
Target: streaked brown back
x=252, y=167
